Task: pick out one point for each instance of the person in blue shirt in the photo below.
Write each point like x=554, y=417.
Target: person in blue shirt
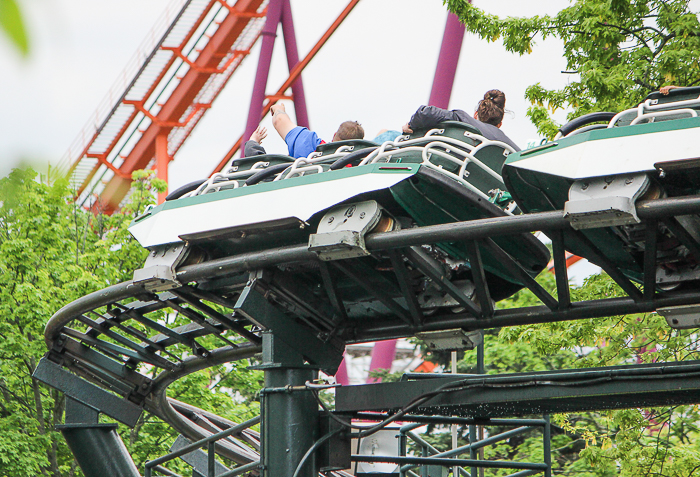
x=300, y=141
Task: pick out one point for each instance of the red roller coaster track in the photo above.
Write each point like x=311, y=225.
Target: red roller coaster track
x=178, y=73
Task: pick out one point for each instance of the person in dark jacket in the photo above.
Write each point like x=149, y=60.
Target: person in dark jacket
x=487, y=118
x=253, y=147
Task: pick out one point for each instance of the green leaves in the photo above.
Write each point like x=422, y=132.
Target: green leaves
x=51, y=253
x=618, y=50
x=13, y=26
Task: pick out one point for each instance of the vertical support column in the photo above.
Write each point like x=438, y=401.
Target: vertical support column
x=455, y=444
x=480, y=365
x=473, y=452
x=424, y=469
x=97, y=447
x=162, y=162
x=447, y=62
x=292, y=354
x=383, y=355
x=403, y=444
x=547, y=445
x=290, y=45
x=480, y=369
x=269, y=33
x=290, y=418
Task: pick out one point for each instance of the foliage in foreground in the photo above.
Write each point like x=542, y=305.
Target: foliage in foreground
x=51, y=253
x=12, y=25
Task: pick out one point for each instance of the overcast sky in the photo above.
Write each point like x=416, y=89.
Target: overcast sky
x=376, y=69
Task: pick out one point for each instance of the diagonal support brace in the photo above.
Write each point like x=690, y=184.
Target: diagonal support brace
x=87, y=393
x=253, y=305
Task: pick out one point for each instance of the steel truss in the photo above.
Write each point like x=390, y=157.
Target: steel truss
x=107, y=336
x=561, y=391
x=175, y=79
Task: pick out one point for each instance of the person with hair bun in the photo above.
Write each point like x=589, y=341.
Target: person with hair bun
x=487, y=118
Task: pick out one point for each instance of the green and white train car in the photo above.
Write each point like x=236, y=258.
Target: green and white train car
x=334, y=198
x=596, y=173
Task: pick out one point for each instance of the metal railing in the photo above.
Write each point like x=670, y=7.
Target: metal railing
x=210, y=443
x=649, y=110
x=431, y=456
x=460, y=153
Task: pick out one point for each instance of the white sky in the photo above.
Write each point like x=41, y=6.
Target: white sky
x=377, y=69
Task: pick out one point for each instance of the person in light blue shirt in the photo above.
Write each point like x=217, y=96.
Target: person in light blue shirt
x=300, y=141
x=386, y=135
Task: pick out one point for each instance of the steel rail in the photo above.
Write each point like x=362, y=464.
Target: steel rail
x=379, y=330
x=461, y=231
x=196, y=445
x=162, y=406
x=445, y=462
x=157, y=402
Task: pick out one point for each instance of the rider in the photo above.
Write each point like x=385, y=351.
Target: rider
x=253, y=146
x=302, y=142
x=487, y=118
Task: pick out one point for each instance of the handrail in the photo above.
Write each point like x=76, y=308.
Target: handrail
x=434, y=453
x=196, y=445
x=648, y=106
x=311, y=163
x=656, y=114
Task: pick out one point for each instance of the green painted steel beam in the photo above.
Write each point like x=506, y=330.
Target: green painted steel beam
x=87, y=393
x=659, y=384
x=253, y=304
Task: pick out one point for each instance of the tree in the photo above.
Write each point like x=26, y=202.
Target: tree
x=617, y=51
x=51, y=253
x=629, y=442
x=662, y=442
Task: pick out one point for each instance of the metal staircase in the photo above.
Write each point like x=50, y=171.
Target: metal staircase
x=165, y=90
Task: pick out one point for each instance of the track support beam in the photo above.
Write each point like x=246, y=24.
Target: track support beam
x=290, y=417
x=97, y=448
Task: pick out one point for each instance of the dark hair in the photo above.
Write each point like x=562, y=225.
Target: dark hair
x=350, y=130
x=490, y=109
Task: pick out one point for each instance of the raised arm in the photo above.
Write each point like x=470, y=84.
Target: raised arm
x=280, y=120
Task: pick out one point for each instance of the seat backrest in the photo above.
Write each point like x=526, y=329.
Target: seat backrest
x=352, y=145
x=306, y=170
x=451, y=129
x=674, y=96
x=454, y=130
x=492, y=156
x=245, y=163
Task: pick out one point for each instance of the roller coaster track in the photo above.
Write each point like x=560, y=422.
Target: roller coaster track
x=166, y=89
x=117, y=337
